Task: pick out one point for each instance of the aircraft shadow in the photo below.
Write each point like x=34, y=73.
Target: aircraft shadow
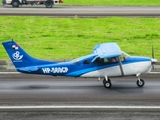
x=29, y=87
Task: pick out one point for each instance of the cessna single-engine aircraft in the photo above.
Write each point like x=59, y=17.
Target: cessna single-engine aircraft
x=106, y=61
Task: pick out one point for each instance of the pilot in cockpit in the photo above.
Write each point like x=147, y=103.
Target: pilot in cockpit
x=112, y=59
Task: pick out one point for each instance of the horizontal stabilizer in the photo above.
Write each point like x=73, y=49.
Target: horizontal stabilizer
x=28, y=69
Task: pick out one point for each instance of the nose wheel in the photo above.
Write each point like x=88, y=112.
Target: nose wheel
x=140, y=82
x=107, y=83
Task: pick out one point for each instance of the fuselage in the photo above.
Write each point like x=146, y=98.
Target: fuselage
x=84, y=67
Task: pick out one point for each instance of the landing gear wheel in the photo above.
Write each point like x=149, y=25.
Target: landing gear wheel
x=15, y=3
x=140, y=83
x=107, y=84
x=106, y=80
x=49, y=4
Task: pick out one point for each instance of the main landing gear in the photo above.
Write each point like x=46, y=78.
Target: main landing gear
x=107, y=82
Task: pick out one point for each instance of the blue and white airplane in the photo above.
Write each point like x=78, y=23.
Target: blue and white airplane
x=106, y=61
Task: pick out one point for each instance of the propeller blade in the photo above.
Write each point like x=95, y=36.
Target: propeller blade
x=154, y=61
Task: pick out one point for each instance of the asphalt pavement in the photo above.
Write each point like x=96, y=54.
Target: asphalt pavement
x=30, y=97
x=82, y=11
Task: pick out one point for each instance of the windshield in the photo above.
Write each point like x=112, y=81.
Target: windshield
x=124, y=56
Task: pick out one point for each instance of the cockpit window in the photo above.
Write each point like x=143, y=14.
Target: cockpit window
x=105, y=60
x=124, y=56
x=86, y=62
x=112, y=60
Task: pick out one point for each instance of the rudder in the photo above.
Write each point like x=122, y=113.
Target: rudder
x=19, y=57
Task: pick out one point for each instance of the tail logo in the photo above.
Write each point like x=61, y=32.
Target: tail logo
x=17, y=55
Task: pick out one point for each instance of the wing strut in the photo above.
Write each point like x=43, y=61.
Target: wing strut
x=120, y=66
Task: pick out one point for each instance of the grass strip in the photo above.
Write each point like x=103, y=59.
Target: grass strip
x=111, y=2
x=67, y=38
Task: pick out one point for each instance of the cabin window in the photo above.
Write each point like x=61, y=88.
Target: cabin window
x=86, y=62
x=98, y=61
x=112, y=60
x=101, y=61
x=106, y=60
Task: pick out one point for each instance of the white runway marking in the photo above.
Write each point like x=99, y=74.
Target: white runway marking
x=79, y=107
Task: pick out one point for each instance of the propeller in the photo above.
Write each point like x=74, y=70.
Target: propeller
x=153, y=60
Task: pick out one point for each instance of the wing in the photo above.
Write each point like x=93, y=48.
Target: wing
x=107, y=50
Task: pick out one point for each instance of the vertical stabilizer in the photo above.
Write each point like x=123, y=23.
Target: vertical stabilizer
x=19, y=57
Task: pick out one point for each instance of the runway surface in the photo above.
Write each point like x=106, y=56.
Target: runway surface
x=65, y=98
x=81, y=11
x=21, y=89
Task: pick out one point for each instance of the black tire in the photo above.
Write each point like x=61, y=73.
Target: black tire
x=15, y=3
x=104, y=80
x=49, y=4
x=140, y=83
x=107, y=84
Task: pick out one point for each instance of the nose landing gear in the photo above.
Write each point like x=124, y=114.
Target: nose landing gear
x=140, y=82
